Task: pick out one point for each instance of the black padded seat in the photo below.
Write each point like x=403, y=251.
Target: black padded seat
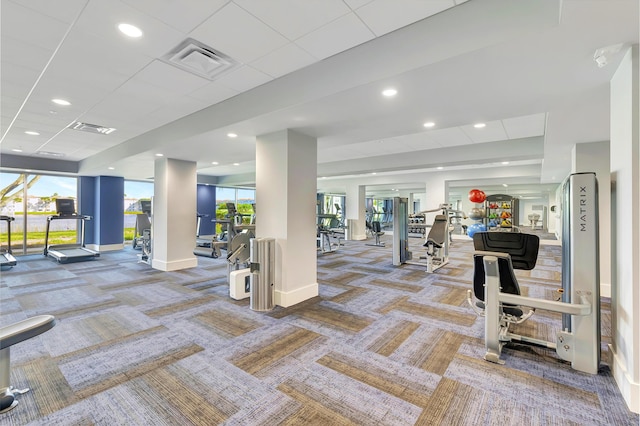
x=438, y=232
x=523, y=254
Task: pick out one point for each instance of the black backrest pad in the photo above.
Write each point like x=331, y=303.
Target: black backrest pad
x=523, y=252
x=438, y=229
x=523, y=248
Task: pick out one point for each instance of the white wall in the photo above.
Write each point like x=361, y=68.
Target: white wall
x=625, y=227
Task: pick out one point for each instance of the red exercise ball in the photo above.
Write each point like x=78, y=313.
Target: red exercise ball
x=477, y=196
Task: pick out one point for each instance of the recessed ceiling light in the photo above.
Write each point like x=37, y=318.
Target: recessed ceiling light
x=16, y=150
x=130, y=30
x=111, y=168
x=439, y=167
x=505, y=162
x=389, y=92
x=159, y=155
x=232, y=135
x=32, y=133
x=479, y=125
x=61, y=102
x=236, y=164
x=215, y=163
x=373, y=173
x=323, y=177
x=429, y=124
x=505, y=185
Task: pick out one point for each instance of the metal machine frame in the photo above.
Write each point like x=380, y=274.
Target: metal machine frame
x=6, y=256
x=65, y=253
x=579, y=340
x=436, y=257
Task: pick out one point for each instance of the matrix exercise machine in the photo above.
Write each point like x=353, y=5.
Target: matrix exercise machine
x=6, y=257
x=143, y=223
x=436, y=243
x=66, y=253
x=497, y=294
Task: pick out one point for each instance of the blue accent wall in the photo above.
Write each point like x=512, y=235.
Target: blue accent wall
x=102, y=198
x=206, y=204
x=109, y=210
x=86, y=205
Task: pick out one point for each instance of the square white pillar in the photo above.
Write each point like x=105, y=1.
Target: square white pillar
x=356, y=210
x=286, y=180
x=174, y=215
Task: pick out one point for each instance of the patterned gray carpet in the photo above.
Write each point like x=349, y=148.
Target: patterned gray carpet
x=380, y=346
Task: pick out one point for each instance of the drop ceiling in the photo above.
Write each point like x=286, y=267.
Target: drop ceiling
x=523, y=68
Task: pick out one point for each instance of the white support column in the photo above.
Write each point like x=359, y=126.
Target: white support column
x=356, y=210
x=625, y=227
x=286, y=180
x=174, y=214
x=437, y=193
x=594, y=157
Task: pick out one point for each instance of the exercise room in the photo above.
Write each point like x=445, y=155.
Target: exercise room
x=311, y=213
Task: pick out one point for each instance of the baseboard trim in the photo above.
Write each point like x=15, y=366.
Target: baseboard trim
x=105, y=247
x=630, y=391
x=286, y=299
x=174, y=265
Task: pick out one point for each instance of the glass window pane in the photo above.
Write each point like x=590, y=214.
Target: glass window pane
x=135, y=195
x=42, y=192
x=11, y=205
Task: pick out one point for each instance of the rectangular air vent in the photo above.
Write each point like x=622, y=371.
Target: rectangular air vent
x=197, y=58
x=91, y=128
x=51, y=154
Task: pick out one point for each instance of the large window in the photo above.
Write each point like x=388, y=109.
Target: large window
x=244, y=200
x=135, y=193
x=30, y=198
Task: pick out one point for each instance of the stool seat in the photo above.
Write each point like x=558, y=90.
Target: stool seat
x=25, y=329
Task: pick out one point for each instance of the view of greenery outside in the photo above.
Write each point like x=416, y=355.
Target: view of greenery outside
x=40, y=192
x=134, y=192
x=242, y=198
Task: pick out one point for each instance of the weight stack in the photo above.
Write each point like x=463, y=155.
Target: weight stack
x=262, y=280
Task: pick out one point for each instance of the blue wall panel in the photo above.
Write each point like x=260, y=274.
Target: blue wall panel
x=86, y=205
x=110, y=210
x=206, y=204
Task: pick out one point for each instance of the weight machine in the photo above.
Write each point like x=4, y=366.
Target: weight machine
x=436, y=243
x=497, y=292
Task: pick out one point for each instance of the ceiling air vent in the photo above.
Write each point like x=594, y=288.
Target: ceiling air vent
x=199, y=59
x=91, y=128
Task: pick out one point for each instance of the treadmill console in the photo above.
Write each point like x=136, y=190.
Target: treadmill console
x=65, y=207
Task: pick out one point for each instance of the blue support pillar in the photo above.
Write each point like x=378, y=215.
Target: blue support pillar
x=102, y=198
x=206, y=204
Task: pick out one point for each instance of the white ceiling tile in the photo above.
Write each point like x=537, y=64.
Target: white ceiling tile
x=419, y=141
x=170, y=78
x=25, y=55
x=19, y=22
x=238, y=34
x=526, y=126
x=335, y=37
x=493, y=131
x=283, y=61
x=384, y=16
x=101, y=18
x=449, y=137
x=213, y=93
x=293, y=18
x=61, y=10
x=82, y=50
x=244, y=78
x=183, y=15
x=355, y=4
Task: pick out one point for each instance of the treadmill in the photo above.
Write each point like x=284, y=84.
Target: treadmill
x=6, y=258
x=66, y=253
